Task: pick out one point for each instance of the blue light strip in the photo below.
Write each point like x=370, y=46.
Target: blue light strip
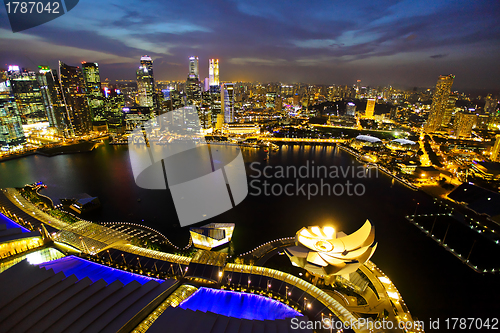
x=84, y=268
x=238, y=305
x=11, y=224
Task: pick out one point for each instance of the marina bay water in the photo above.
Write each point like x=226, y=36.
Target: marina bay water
x=432, y=282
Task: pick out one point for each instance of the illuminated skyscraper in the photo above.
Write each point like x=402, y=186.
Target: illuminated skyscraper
x=144, y=87
x=227, y=102
x=28, y=95
x=52, y=94
x=439, y=102
x=213, y=72
x=92, y=80
x=464, y=121
x=495, y=153
x=193, y=68
x=370, y=108
x=193, y=88
x=204, y=112
x=75, y=99
x=448, y=112
x=215, y=106
x=351, y=109
x=147, y=62
x=11, y=130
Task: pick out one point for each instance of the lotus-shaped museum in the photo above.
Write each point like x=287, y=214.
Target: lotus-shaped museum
x=323, y=252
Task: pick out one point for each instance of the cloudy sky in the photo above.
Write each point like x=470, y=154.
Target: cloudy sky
x=402, y=43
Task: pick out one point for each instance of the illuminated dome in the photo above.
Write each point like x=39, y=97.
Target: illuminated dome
x=324, y=252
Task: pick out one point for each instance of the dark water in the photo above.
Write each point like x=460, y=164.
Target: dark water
x=432, y=282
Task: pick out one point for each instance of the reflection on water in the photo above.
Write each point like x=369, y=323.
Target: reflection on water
x=420, y=269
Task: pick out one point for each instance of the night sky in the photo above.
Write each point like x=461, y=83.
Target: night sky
x=402, y=43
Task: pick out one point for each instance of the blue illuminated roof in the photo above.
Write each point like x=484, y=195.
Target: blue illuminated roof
x=368, y=138
x=404, y=142
x=238, y=305
x=11, y=224
x=84, y=268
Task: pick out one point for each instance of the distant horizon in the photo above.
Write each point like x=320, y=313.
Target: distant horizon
x=469, y=91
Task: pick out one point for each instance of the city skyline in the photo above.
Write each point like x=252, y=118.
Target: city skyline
x=399, y=44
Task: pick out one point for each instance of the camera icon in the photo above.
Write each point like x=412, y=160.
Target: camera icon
x=169, y=152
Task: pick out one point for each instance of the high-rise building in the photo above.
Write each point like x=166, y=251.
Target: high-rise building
x=193, y=67
x=227, y=102
x=29, y=99
x=351, y=109
x=464, y=122
x=440, y=101
x=450, y=107
x=495, y=153
x=54, y=101
x=271, y=100
x=204, y=111
x=144, y=87
x=193, y=85
x=75, y=99
x=370, y=108
x=215, y=106
x=90, y=71
x=11, y=130
x=147, y=62
x=213, y=72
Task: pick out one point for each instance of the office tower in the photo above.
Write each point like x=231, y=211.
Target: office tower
x=464, y=121
x=90, y=71
x=144, y=87
x=28, y=95
x=495, y=153
x=75, y=99
x=215, y=106
x=370, y=108
x=193, y=89
x=206, y=84
x=204, y=112
x=193, y=67
x=147, y=62
x=227, y=102
x=11, y=130
x=270, y=100
x=439, y=102
x=450, y=107
x=351, y=109
x=213, y=72
x=52, y=94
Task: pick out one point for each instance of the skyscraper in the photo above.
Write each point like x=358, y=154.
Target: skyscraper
x=193, y=88
x=351, y=109
x=28, y=95
x=370, y=108
x=450, y=107
x=147, y=62
x=90, y=71
x=227, y=102
x=193, y=67
x=52, y=94
x=75, y=99
x=11, y=130
x=439, y=102
x=213, y=72
x=495, y=153
x=144, y=87
x=464, y=121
